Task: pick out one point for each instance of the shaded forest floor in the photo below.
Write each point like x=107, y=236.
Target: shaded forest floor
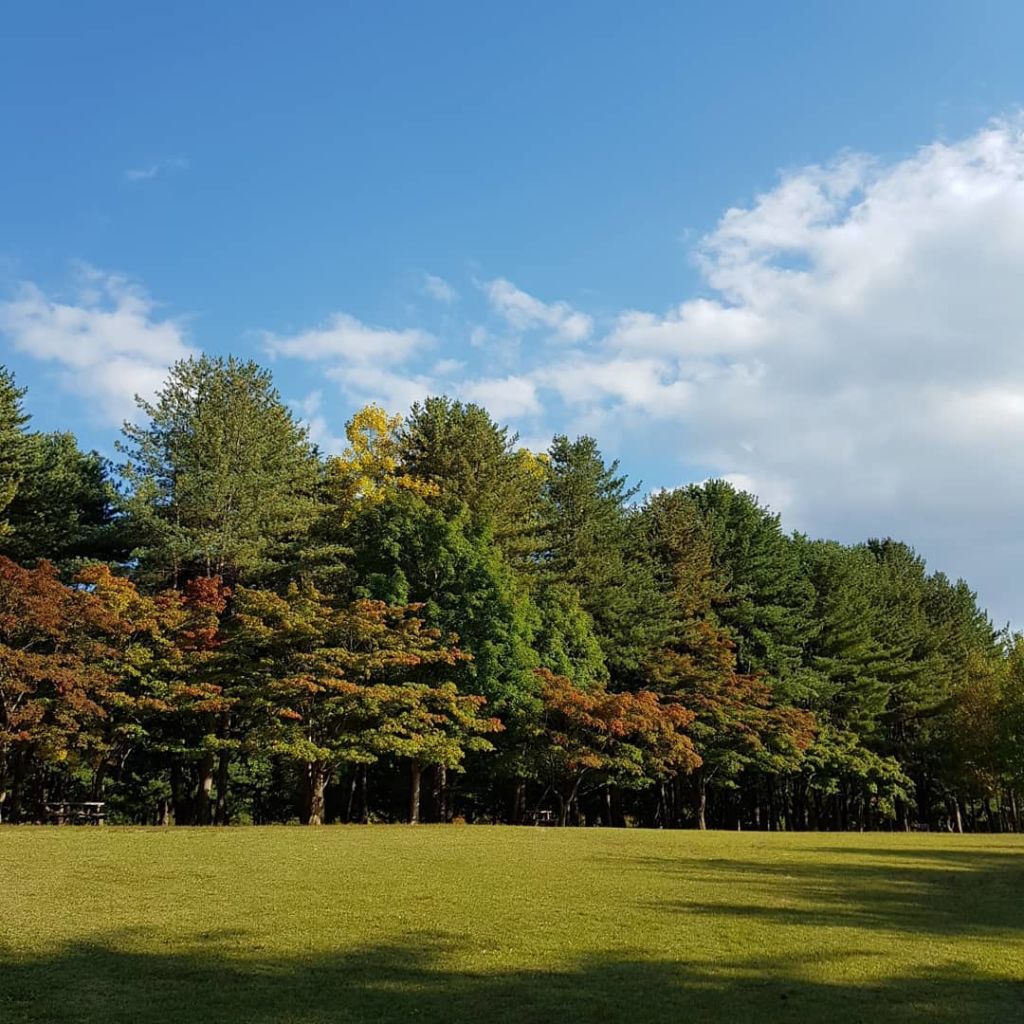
x=381, y=924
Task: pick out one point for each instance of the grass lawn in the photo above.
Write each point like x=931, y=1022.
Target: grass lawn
x=268, y=925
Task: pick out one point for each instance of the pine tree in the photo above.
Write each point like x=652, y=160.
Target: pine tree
x=460, y=454
x=329, y=684
x=846, y=655
x=64, y=509
x=13, y=456
x=768, y=599
x=594, y=542
x=222, y=477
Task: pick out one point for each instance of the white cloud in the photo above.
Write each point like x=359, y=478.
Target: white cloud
x=503, y=397
x=479, y=336
x=148, y=172
x=857, y=359
x=861, y=360
x=644, y=384
x=438, y=288
x=368, y=363
x=446, y=367
x=392, y=390
x=345, y=339
x=524, y=312
x=107, y=342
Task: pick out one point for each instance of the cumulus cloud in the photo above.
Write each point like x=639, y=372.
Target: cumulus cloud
x=392, y=389
x=346, y=339
x=107, y=340
x=438, y=288
x=370, y=364
x=503, y=397
x=524, y=312
x=861, y=359
x=856, y=357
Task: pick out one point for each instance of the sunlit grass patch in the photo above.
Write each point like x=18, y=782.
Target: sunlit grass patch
x=505, y=924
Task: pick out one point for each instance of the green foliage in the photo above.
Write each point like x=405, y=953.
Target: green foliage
x=565, y=640
x=594, y=543
x=847, y=656
x=222, y=477
x=471, y=462
x=12, y=443
x=327, y=685
x=869, y=785
x=1011, y=715
x=768, y=605
x=406, y=549
x=64, y=507
x=251, y=632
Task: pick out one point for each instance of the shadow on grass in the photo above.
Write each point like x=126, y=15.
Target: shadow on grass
x=100, y=982
x=935, y=893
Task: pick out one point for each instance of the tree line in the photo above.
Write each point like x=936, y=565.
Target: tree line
x=438, y=624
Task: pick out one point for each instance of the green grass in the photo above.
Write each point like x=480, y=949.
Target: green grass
x=267, y=925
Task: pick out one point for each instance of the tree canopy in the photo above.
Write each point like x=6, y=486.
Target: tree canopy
x=438, y=623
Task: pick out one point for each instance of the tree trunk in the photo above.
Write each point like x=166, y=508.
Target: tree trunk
x=443, y=812
x=702, y=799
x=414, y=793
x=902, y=816
x=364, y=797
x=223, y=767
x=518, y=802
x=179, y=797
x=353, y=784
x=204, y=790
x=574, y=802
x=563, y=809
x=618, y=819
x=220, y=815
x=316, y=783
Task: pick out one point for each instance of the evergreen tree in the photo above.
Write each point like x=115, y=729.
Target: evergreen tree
x=13, y=456
x=467, y=459
x=332, y=684
x=406, y=550
x=768, y=599
x=564, y=639
x=595, y=543
x=677, y=661
x=845, y=656
x=64, y=509
x=222, y=477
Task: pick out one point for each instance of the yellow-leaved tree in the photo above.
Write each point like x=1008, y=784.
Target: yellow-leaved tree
x=369, y=470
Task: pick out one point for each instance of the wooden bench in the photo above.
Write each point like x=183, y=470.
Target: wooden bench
x=85, y=812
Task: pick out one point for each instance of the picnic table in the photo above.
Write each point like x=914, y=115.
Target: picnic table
x=539, y=818
x=83, y=812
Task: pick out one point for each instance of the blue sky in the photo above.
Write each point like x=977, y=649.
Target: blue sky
x=529, y=206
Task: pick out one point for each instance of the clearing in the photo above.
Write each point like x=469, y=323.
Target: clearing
x=500, y=924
